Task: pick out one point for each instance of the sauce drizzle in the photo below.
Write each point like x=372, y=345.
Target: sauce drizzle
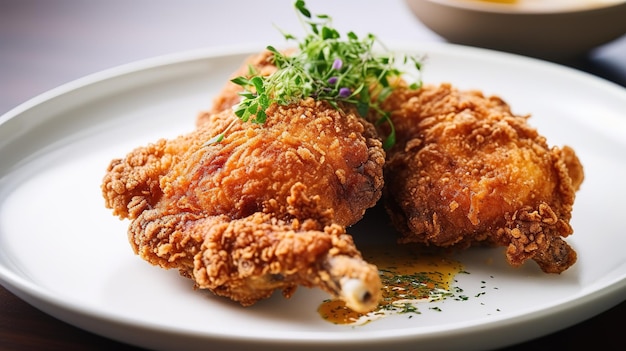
x=409, y=275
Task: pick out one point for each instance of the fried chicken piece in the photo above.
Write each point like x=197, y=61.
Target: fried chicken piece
x=465, y=170
x=263, y=209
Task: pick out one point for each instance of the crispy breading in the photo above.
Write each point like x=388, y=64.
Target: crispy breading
x=466, y=170
x=281, y=193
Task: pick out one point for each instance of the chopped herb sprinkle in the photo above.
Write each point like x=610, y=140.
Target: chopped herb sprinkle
x=409, y=280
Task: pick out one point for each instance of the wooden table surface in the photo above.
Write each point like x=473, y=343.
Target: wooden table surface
x=44, y=44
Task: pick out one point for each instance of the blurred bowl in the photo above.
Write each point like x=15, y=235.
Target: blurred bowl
x=549, y=29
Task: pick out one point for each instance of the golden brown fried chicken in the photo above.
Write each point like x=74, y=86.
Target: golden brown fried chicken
x=263, y=209
x=465, y=170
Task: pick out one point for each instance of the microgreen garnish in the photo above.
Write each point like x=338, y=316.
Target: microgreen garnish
x=326, y=67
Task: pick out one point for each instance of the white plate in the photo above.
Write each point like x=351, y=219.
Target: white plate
x=64, y=253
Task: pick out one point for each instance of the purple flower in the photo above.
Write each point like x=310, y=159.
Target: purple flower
x=337, y=64
x=332, y=80
x=344, y=92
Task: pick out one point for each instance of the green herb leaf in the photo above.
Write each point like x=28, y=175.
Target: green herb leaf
x=301, y=6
